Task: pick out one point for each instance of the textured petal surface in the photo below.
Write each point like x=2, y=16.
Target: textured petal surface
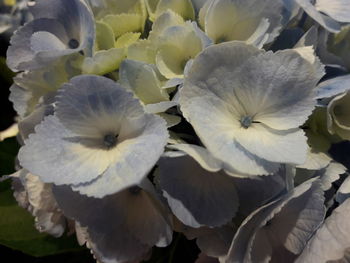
x=200, y=154
x=331, y=241
x=144, y=80
x=52, y=157
x=196, y=196
x=279, y=230
x=134, y=221
x=234, y=82
x=144, y=150
x=325, y=21
x=337, y=9
x=227, y=20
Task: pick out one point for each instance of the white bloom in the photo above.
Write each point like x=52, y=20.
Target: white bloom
x=253, y=21
x=59, y=28
x=99, y=141
x=246, y=105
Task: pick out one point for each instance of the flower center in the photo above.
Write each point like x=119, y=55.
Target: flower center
x=110, y=140
x=246, y=121
x=73, y=43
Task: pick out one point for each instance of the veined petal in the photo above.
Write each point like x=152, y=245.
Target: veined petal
x=134, y=222
x=196, y=196
x=279, y=230
x=338, y=9
x=52, y=157
x=328, y=23
x=273, y=145
x=331, y=241
x=143, y=139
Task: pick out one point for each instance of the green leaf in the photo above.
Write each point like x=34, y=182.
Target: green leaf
x=8, y=152
x=5, y=73
x=17, y=229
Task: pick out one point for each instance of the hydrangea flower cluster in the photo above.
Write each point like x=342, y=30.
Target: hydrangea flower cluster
x=213, y=118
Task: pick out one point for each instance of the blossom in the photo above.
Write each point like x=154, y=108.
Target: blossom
x=246, y=105
x=253, y=21
x=95, y=137
x=51, y=34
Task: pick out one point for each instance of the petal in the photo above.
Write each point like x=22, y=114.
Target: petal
x=103, y=61
x=227, y=20
x=74, y=15
x=20, y=56
x=277, y=88
x=253, y=192
x=124, y=23
x=325, y=21
x=272, y=145
x=196, y=196
x=45, y=41
x=136, y=220
x=108, y=233
x=279, y=230
x=333, y=87
x=338, y=10
x=331, y=241
x=164, y=21
x=91, y=105
x=343, y=191
x=105, y=38
x=52, y=157
x=172, y=56
x=144, y=80
x=200, y=154
x=182, y=7
x=142, y=50
x=144, y=150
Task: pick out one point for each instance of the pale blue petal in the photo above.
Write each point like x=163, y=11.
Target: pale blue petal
x=145, y=138
x=325, y=21
x=279, y=230
x=123, y=226
x=196, y=196
x=331, y=241
x=333, y=87
x=55, y=159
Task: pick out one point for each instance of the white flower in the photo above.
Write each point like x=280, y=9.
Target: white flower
x=253, y=21
x=59, y=28
x=246, y=105
x=99, y=141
